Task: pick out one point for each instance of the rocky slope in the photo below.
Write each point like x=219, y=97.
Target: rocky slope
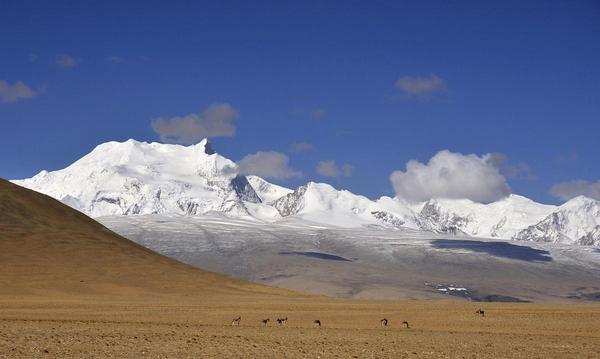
x=501, y=219
x=575, y=222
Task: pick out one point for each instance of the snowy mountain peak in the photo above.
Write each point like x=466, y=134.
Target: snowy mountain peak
x=266, y=191
x=132, y=152
x=135, y=177
x=580, y=202
x=132, y=177
x=575, y=222
x=501, y=219
x=322, y=203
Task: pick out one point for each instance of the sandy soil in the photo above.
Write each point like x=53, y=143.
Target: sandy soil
x=70, y=288
x=169, y=327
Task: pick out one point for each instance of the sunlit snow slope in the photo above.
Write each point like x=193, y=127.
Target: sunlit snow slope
x=131, y=178
x=140, y=178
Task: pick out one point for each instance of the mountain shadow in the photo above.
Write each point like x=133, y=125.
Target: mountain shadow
x=498, y=249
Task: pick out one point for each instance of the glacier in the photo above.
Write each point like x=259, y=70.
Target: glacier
x=367, y=262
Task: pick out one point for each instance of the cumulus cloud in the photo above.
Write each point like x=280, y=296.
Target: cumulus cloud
x=216, y=121
x=267, y=164
x=451, y=175
x=329, y=168
x=421, y=86
x=568, y=190
x=13, y=93
x=65, y=60
x=301, y=147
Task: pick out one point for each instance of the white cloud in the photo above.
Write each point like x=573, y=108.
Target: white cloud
x=421, y=86
x=65, y=60
x=451, y=175
x=13, y=93
x=568, y=190
x=267, y=164
x=301, y=147
x=216, y=121
x=329, y=168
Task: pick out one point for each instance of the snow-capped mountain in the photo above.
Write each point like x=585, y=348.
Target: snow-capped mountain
x=321, y=203
x=266, y=191
x=131, y=177
x=146, y=178
x=575, y=222
x=592, y=238
x=500, y=219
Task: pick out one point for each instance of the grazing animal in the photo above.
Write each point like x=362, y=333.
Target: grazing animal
x=317, y=323
x=406, y=324
x=282, y=321
x=480, y=312
x=236, y=321
x=384, y=322
x=265, y=321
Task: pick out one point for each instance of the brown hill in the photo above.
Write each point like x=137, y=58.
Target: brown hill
x=48, y=248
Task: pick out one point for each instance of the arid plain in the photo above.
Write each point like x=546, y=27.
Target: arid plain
x=167, y=328
x=70, y=288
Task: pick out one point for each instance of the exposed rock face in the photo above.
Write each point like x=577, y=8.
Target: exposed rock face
x=592, y=238
x=291, y=203
x=433, y=218
x=575, y=222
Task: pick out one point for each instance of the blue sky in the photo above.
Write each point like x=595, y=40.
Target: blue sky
x=369, y=85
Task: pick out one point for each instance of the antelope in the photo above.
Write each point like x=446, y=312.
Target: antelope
x=317, y=323
x=236, y=321
x=265, y=321
x=480, y=312
x=282, y=321
x=384, y=322
x=406, y=324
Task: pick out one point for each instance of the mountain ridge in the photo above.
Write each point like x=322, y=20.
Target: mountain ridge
x=131, y=177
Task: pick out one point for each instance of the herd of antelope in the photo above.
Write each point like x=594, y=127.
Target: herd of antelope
x=280, y=321
x=283, y=321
